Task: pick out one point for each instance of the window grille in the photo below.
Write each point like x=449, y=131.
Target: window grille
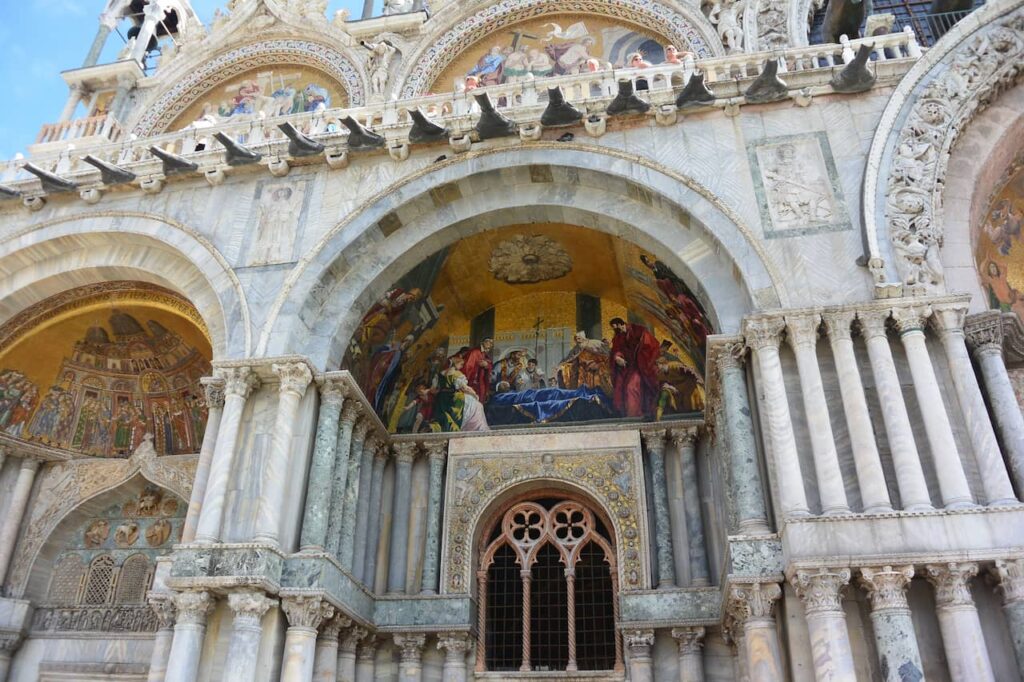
x=68, y=573
x=133, y=580
x=99, y=584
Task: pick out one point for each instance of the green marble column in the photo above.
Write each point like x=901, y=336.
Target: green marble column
x=654, y=444
x=347, y=544
x=318, y=493
x=339, y=477
x=432, y=552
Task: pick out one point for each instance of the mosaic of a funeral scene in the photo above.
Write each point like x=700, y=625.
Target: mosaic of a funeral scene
x=1000, y=249
x=94, y=371
x=554, y=45
x=530, y=325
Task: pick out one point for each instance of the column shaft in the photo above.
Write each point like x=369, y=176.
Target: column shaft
x=347, y=543
x=962, y=637
x=655, y=447
x=432, y=551
x=373, y=537
x=367, y=9
x=97, y=44
x=410, y=667
x=183, y=662
x=321, y=471
x=1010, y=574
x=215, y=406
x=347, y=653
x=163, y=606
x=246, y=632
x=821, y=592
x=691, y=664
x=639, y=643
x=751, y=608
x=363, y=509
x=15, y=512
x=893, y=627
x=339, y=478
x=686, y=444
x=397, y=557
x=1005, y=408
x=305, y=613
x=366, y=661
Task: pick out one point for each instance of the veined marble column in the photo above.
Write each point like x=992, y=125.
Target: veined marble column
x=15, y=512
x=339, y=479
x=956, y=493
x=246, y=631
x=1010, y=573
x=305, y=614
x=363, y=507
x=410, y=667
x=654, y=444
x=239, y=383
x=763, y=337
x=325, y=661
x=380, y=458
x=962, y=637
x=905, y=459
x=985, y=337
x=214, y=389
x=747, y=494
x=193, y=607
x=398, y=555
x=752, y=606
x=321, y=471
x=295, y=378
x=949, y=320
x=874, y=494
x=436, y=454
x=347, y=653
x=802, y=334
x=639, y=644
x=366, y=659
x=163, y=606
x=895, y=640
x=456, y=646
x=691, y=662
x=685, y=441
x=740, y=667
x=821, y=592
x=347, y=544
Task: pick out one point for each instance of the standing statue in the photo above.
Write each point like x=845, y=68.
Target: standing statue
x=381, y=53
x=844, y=18
x=726, y=16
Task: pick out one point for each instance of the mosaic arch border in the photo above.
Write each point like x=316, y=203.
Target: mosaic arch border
x=199, y=81
x=677, y=23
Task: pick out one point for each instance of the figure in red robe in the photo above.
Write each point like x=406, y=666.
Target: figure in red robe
x=478, y=368
x=634, y=369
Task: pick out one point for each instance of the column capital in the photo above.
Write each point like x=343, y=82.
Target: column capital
x=821, y=590
x=163, y=606
x=349, y=412
x=294, y=377
x=874, y=323
x=193, y=606
x=639, y=642
x=213, y=388
x=764, y=332
x=887, y=586
x=457, y=644
x=331, y=629
x=984, y=333
x=839, y=324
x=1010, y=573
x=802, y=330
x=690, y=639
x=362, y=427
x=436, y=449
x=411, y=646
x=405, y=452
x=952, y=582
x=731, y=355
x=654, y=440
x=333, y=391
x=306, y=610
x=250, y=603
x=753, y=601
x=238, y=381
x=949, y=318
x=367, y=649
x=685, y=437
x=382, y=452
x=29, y=463
x=911, y=318
x=352, y=637
x=10, y=641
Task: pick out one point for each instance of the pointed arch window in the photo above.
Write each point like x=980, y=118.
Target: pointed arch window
x=100, y=582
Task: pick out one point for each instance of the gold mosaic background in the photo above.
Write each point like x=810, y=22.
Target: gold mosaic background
x=1000, y=251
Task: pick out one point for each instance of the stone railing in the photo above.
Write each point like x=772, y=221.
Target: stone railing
x=105, y=126
x=806, y=70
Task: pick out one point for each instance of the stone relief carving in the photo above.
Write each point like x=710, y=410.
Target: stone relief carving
x=772, y=25
x=140, y=618
x=727, y=16
x=526, y=259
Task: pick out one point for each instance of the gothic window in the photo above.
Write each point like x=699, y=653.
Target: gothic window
x=133, y=580
x=66, y=582
x=547, y=584
x=100, y=582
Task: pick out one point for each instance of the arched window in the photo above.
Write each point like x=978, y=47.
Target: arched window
x=100, y=582
x=547, y=585
x=66, y=583
x=134, y=580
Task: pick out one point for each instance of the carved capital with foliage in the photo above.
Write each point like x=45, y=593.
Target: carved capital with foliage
x=295, y=377
x=731, y=356
x=821, y=590
x=639, y=642
x=306, y=610
x=873, y=323
x=690, y=640
x=839, y=325
x=761, y=333
x=250, y=605
x=984, y=333
x=163, y=607
x=332, y=628
x=911, y=318
x=802, y=330
x=952, y=583
x=214, y=389
x=193, y=606
x=238, y=381
x=887, y=586
x=411, y=646
x=351, y=637
x=405, y=452
x=333, y=391
x=1010, y=573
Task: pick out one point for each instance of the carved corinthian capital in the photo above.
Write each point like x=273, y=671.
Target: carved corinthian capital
x=731, y=356
x=405, y=452
x=193, y=606
x=952, y=583
x=802, y=330
x=762, y=333
x=887, y=586
x=984, y=332
x=839, y=324
x=250, y=605
x=821, y=590
x=456, y=644
x=306, y=611
x=654, y=441
x=163, y=607
x=214, y=390
x=238, y=381
x=411, y=646
x=436, y=449
x=295, y=377
x=873, y=323
x=754, y=601
x=690, y=640
x=333, y=391
x=1010, y=573
x=911, y=318
x=332, y=628
x=351, y=638
x=639, y=642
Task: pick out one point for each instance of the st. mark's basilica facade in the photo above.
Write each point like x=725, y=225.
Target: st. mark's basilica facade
x=519, y=339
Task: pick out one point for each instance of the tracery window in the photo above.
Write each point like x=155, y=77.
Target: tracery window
x=66, y=583
x=547, y=584
x=133, y=580
x=100, y=581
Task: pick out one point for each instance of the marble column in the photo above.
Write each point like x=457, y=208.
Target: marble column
x=15, y=512
x=751, y=606
x=248, y=608
x=962, y=637
x=192, y=608
x=410, y=666
x=305, y=614
x=367, y=9
x=163, y=606
x=456, y=646
x=347, y=653
x=239, y=383
x=821, y=592
x=691, y=663
x=802, y=334
x=325, y=660
x=363, y=507
x=380, y=458
x=347, y=544
x=763, y=336
x=902, y=447
x=9, y=644
x=339, y=477
x=639, y=644
x=956, y=493
x=107, y=24
x=893, y=627
x=654, y=445
x=436, y=454
x=366, y=659
x=747, y=490
x=685, y=441
x=985, y=337
x=214, y=389
x=295, y=378
x=321, y=470
x=874, y=493
x=1010, y=574
x=949, y=320
x=740, y=668
x=397, y=556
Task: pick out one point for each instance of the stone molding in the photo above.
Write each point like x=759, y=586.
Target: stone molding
x=690, y=640
x=887, y=586
x=753, y=601
x=821, y=591
x=105, y=618
x=952, y=583
x=294, y=377
x=410, y=646
x=305, y=611
x=193, y=606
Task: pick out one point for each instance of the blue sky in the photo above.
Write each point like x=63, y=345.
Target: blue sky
x=41, y=38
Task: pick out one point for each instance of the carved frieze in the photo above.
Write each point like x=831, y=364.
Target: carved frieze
x=139, y=618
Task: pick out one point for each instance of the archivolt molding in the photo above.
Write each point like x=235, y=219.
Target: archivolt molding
x=907, y=163
x=676, y=21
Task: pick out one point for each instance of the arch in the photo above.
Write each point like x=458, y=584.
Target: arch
x=678, y=22
x=133, y=580
x=71, y=251
x=683, y=224
x=907, y=164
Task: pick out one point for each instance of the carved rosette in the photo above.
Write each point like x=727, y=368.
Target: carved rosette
x=163, y=607
x=984, y=333
x=193, y=606
x=762, y=333
x=238, y=381
x=351, y=639
x=802, y=330
x=306, y=611
x=250, y=606
x=821, y=591
x=639, y=642
x=331, y=629
x=411, y=646
x=690, y=640
x=754, y=601
x=1010, y=573
x=214, y=389
x=295, y=377
x=887, y=586
x=952, y=583
x=405, y=453
x=839, y=325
